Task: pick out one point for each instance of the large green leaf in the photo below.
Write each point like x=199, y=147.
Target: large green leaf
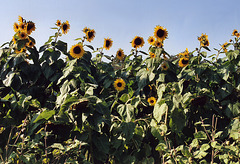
x=177, y=120
x=45, y=115
x=159, y=110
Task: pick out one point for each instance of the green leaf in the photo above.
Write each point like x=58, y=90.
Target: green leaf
x=194, y=142
x=204, y=147
x=67, y=103
x=200, y=135
x=159, y=110
x=161, y=77
x=232, y=54
x=124, y=98
x=45, y=115
x=203, y=53
x=62, y=46
x=128, y=129
x=177, y=120
x=126, y=112
x=151, y=76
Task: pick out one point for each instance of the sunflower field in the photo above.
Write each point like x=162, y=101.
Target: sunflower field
x=75, y=104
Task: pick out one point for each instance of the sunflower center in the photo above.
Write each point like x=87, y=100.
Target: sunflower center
x=119, y=85
x=119, y=54
x=107, y=43
x=77, y=50
x=151, y=101
x=29, y=27
x=22, y=35
x=90, y=34
x=160, y=33
x=138, y=41
x=185, y=61
x=64, y=27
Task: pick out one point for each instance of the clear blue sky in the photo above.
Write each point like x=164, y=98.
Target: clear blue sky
x=122, y=20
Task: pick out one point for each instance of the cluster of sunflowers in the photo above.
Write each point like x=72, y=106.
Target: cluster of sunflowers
x=23, y=30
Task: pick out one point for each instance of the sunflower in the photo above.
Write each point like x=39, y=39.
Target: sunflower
x=164, y=66
x=14, y=40
x=235, y=32
x=30, y=43
x=158, y=44
x=65, y=27
x=107, y=43
x=77, y=51
x=120, y=54
x=151, y=40
x=22, y=35
x=160, y=33
x=15, y=27
x=86, y=29
x=203, y=37
x=30, y=27
x=224, y=47
x=119, y=84
x=183, y=62
x=21, y=50
x=58, y=23
x=22, y=26
x=152, y=55
x=90, y=35
x=152, y=101
x=205, y=43
x=137, y=42
x=184, y=54
x=20, y=19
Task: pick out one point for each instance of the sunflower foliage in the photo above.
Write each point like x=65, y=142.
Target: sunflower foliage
x=78, y=104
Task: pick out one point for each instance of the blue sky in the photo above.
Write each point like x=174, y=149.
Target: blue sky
x=123, y=20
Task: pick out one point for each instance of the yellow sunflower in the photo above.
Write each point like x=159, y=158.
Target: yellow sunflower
x=184, y=54
x=152, y=101
x=203, y=37
x=90, y=35
x=152, y=55
x=22, y=35
x=164, y=66
x=22, y=50
x=77, y=51
x=119, y=84
x=65, y=27
x=205, y=43
x=160, y=33
x=137, y=42
x=224, y=47
x=120, y=54
x=151, y=40
x=107, y=43
x=235, y=32
x=183, y=62
x=86, y=29
x=14, y=40
x=20, y=19
x=30, y=43
x=16, y=27
x=58, y=23
x=158, y=44
x=30, y=27
x=22, y=26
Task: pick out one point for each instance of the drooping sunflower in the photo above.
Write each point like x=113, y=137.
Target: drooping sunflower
x=30, y=27
x=58, y=23
x=90, y=35
x=183, y=62
x=65, y=27
x=119, y=84
x=77, y=51
x=158, y=43
x=164, y=66
x=120, y=54
x=16, y=27
x=137, y=42
x=160, y=33
x=22, y=35
x=151, y=40
x=152, y=55
x=152, y=101
x=224, y=47
x=107, y=43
